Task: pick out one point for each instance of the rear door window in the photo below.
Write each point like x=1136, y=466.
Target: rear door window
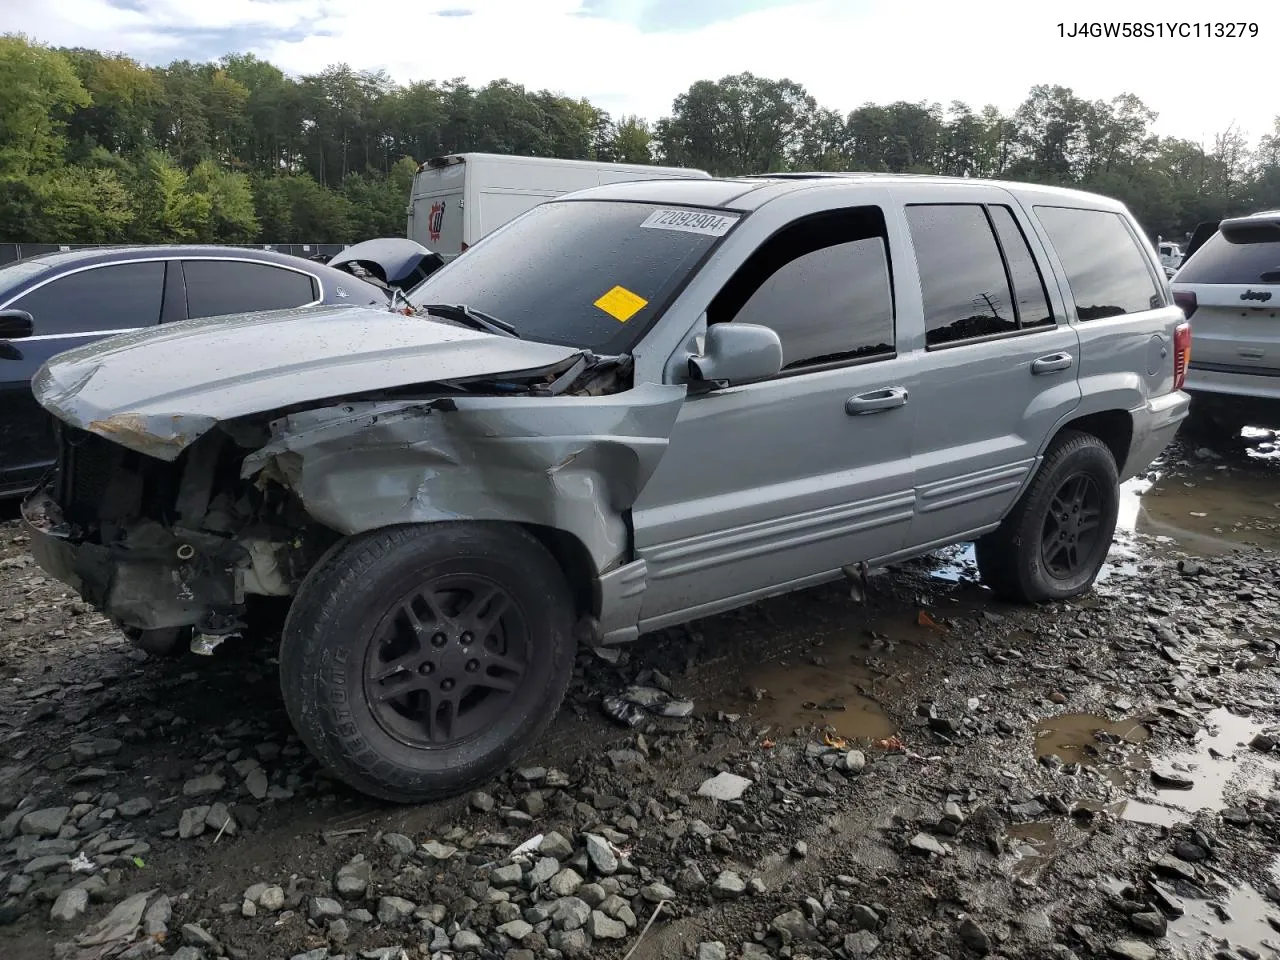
x=219, y=287
x=1221, y=261
x=962, y=276
x=112, y=297
x=1107, y=271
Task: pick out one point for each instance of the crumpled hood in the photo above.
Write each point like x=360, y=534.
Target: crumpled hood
x=156, y=391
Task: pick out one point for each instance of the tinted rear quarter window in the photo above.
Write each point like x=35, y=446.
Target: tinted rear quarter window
x=1028, y=284
x=1106, y=269
x=1220, y=261
x=219, y=287
x=120, y=296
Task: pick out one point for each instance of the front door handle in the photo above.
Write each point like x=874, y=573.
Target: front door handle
x=1054, y=363
x=876, y=401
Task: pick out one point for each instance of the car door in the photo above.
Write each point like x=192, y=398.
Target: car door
x=777, y=484
x=68, y=309
x=219, y=287
x=999, y=357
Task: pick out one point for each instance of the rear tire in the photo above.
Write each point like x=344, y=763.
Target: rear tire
x=1053, y=543
x=419, y=661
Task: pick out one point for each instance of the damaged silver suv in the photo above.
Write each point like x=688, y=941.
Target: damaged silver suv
x=632, y=406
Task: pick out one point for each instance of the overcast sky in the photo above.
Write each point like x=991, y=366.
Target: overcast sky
x=635, y=56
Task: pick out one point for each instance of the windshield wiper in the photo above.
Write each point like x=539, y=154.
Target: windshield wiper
x=461, y=313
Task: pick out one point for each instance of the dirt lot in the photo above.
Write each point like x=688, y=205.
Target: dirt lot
x=928, y=775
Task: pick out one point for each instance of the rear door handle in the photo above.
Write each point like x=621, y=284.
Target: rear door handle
x=876, y=401
x=1054, y=363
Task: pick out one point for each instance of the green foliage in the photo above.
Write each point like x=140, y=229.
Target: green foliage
x=92, y=205
x=38, y=90
x=94, y=146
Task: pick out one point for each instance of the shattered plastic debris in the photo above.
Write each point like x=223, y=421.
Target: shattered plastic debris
x=630, y=708
x=203, y=644
x=529, y=846
x=657, y=701
x=622, y=712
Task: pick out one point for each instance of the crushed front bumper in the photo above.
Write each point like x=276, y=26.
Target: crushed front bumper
x=151, y=578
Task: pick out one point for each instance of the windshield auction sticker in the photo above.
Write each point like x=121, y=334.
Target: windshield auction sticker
x=690, y=221
x=621, y=304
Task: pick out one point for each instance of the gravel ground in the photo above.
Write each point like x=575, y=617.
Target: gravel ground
x=918, y=773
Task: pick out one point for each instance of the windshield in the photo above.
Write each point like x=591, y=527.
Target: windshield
x=581, y=273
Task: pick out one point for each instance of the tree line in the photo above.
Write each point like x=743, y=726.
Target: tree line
x=96, y=147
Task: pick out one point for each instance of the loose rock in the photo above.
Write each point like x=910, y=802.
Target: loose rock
x=70, y=905
x=1132, y=950
x=203, y=786
x=725, y=787
x=354, y=878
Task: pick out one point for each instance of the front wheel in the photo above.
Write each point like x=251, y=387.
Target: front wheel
x=1055, y=540
x=419, y=661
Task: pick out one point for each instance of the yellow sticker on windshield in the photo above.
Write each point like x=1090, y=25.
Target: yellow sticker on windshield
x=621, y=304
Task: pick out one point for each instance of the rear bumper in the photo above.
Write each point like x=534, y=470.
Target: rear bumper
x=1154, y=426
x=1231, y=384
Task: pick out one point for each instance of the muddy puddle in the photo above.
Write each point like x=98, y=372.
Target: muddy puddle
x=1216, y=500
x=1210, y=504
x=1113, y=749
x=1034, y=847
x=834, y=684
x=1239, y=916
x=1212, y=774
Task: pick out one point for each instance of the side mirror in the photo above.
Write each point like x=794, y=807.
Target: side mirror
x=736, y=353
x=16, y=324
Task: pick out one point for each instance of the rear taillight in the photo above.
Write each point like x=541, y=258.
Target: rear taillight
x=1181, y=353
x=1186, y=300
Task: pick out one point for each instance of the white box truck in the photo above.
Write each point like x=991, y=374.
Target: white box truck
x=459, y=198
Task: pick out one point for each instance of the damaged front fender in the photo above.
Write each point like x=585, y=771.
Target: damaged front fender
x=575, y=463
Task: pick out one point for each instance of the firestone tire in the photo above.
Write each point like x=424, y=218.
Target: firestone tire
x=1052, y=545
x=419, y=661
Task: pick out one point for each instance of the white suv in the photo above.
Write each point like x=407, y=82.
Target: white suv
x=1230, y=291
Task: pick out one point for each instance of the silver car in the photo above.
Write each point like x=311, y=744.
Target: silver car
x=629, y=407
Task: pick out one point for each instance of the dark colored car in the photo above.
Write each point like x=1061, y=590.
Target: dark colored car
x=75, y=298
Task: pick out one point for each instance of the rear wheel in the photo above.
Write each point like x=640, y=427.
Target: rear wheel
x=1055, y=540
x=419, y=661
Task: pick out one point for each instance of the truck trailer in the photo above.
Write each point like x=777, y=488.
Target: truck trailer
x=459, y=198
